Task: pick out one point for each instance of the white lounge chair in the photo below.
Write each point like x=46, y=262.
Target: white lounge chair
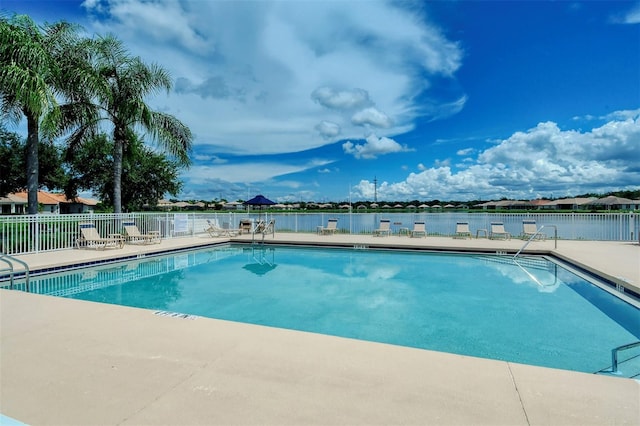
x=498, y=231
x=330, y=229
x=215, y=230
x=419, y=230
x=384, y=228
x=529, y=229
x=462, y=230
x=91, y=238
x=232, y=232
x=133, y=234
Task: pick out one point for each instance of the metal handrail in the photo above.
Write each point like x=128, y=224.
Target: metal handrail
x=614, y=354
x=535, y=234
x=9, y=261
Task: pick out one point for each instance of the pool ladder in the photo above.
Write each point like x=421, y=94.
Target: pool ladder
x=614, y=355
x=11, y=261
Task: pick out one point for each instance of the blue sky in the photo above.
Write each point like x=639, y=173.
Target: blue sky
x=448, y=100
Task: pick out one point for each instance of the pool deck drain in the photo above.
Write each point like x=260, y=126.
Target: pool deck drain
x=65, y=361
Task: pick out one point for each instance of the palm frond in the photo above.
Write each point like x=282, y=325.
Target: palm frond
x=173, y=136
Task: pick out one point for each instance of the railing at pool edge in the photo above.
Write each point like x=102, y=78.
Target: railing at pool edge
x=531, y=238
x=9, y=261
x=614, y=354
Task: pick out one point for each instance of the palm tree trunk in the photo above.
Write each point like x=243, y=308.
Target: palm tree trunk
x=32, y=164
x=118, y=148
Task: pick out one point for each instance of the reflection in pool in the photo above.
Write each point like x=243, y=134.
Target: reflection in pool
x=534, y=312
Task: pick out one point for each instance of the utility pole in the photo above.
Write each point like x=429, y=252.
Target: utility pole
x=375, y=189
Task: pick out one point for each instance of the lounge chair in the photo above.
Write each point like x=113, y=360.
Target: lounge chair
x=91, y=238
x=462, y=230
x=419, y=229
x=330, y=229
x=133, y=234
x=265, y=228
x=498, y=231
x=384, y=229
x=215, y=230
x=226, y=226
x=529, y=229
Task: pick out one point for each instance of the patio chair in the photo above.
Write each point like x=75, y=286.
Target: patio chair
x=498, y=231
x=529, y=229
x=419, y=229
x=215, y=230
x=232, y=232
x=384, y=229
x=330, y=229
x=91, y=238
x=133, y=234
x=462, y=230
x=245, y=226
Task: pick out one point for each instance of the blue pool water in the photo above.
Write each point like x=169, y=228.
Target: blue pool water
x=535, y=313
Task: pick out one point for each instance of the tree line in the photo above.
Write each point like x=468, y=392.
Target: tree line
x=89, y=93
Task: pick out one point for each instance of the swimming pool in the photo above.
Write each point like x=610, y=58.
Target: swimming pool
x=535, y=312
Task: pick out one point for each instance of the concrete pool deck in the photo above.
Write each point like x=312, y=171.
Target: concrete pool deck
x=65, y=361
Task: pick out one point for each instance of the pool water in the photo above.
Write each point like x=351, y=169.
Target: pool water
x=534, y=313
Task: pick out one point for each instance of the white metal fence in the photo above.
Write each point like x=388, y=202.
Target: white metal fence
x=42, y=233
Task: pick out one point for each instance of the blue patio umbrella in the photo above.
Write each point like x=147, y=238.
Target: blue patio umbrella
x=259, y=200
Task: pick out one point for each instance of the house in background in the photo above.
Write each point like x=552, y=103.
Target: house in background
x=16, y=203
x=11, y=204
x=569, y=204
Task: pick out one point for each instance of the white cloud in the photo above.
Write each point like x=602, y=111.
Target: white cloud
x=211, y=159
x=328, y=129
x=373, y=148
x=465, y=151
x=253, y=172
x=258, y=77
x=341, y=100
x=544, y=159
x=165, y=21
x=633, y=15
x=371, y=116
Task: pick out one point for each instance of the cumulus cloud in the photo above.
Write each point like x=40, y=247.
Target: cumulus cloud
x=371, y=116
x=539, y=161
x=167, y=21
x=328, y=129
x=465, y=151
x=341, y=99
x=264, y=91
x=373, y=148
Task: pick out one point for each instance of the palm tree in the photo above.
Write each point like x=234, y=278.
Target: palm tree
x=33, y=63
x=116, y=96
